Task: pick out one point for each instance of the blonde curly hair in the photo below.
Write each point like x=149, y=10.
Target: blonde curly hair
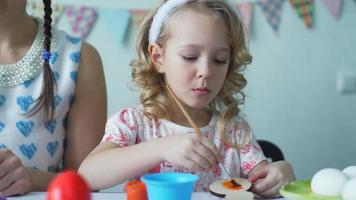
x=154, y=96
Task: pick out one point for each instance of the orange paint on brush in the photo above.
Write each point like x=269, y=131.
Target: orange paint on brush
x=230, y=186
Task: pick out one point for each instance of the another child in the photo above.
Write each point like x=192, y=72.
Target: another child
x=52, y=99
x=197, y=48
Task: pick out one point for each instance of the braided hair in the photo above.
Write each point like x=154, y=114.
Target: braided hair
x=46, y=100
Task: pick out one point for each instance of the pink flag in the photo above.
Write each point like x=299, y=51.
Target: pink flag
x=81, y=19
x=334, y=6
x=246, y=10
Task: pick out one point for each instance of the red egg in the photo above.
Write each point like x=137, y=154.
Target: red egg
x=68, y=186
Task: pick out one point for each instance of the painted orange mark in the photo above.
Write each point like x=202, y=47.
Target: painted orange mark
x=230, y=186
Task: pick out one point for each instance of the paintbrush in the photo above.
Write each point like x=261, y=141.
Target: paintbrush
x=197, y=130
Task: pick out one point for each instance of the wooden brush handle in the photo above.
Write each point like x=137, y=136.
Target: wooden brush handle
x=234, y=183
x=185, y=113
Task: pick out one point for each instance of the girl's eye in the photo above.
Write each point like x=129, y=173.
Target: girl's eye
x=189, y=58
x=221, y=62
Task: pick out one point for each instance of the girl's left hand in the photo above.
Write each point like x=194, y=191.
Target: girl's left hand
x=268, y=180
x=14, y=177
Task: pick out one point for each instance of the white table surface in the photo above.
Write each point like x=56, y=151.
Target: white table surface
x=112, y=196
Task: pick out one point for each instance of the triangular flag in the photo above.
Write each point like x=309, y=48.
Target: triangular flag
x=117, y=22
x=334, y=6
x=138, y=16
x=81, y=19
x=36, y=9
x=305, y=9
x=272, y=9
x=246, y=10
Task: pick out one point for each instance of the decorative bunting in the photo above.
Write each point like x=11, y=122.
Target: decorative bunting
x=117, y=22
x=246, y=10
x=138, y=16
x=272, y=9
x=36, y=9
x=334, y=6
x=81, y=19
x=305, y=9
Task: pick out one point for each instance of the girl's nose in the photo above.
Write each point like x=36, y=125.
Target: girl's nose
x=204, y=70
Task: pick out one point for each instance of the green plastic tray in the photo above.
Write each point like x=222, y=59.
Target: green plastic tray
x=301, y=190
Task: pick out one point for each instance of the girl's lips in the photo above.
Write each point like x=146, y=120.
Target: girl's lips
x=201, y=91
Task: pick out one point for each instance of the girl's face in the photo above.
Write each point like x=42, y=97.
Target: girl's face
x=196, y=56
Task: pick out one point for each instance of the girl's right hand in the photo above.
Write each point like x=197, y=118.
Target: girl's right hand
x=189, y=150
x=15, y=178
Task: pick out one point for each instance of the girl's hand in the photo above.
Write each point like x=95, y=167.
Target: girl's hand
x=268, y=180
x=14, y=177
x=189, y=150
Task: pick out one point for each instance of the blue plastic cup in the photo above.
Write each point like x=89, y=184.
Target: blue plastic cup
x=169, y=186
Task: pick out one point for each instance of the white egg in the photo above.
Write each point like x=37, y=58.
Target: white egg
x=350, y=171
x=349, y=190
x=328, y=182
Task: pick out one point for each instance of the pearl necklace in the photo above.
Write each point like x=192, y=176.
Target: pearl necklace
x=26, y=68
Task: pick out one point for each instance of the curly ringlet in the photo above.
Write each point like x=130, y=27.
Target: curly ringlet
x=154, y=96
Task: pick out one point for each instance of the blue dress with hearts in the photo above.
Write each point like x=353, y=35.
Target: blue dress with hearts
x=40, y=143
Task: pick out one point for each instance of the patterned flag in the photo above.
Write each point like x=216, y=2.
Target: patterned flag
x=246, y=10
x=305, y=9
x=117, y=22
x=36, y=9
x=138, y=16
x=272, y=9
x=334, y=6
x=81, y=19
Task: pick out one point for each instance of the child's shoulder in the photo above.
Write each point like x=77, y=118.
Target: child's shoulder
x=133, y=114
x=129, y=111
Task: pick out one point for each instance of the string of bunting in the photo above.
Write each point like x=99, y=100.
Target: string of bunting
x=82, y=18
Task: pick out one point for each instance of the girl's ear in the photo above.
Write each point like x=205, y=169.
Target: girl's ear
x=156, y=55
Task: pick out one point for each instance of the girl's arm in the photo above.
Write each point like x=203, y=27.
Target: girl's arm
x=87, y=115
x=109, y=165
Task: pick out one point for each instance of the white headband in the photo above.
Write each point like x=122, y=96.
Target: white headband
x=163, y=12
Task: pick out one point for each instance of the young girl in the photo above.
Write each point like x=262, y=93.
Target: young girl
x=197, y=49
x=49, y=82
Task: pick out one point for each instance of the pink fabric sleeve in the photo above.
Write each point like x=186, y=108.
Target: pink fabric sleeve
x=251, y=153
x=122, y=128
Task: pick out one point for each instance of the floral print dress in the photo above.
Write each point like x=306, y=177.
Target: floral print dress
x=131, y=126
